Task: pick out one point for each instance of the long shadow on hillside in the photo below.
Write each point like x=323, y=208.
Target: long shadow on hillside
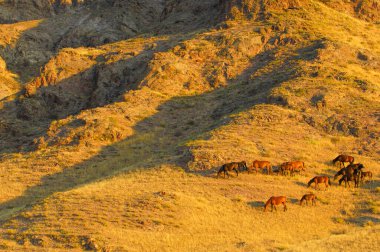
x=161, y=138
x=97, y=86
x=45, y=40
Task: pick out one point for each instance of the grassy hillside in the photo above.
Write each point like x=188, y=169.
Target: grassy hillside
x=113, y=145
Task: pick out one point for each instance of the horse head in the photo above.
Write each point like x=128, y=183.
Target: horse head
x=243, y=164
x=360, y=166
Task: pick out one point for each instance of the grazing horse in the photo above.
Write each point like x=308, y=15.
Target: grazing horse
x=350, y=173
x=350, y=169
x=318, y=180
x=274, y=201
x=262, y=165
x=343, y=159
x=366, y=174
x=340, y=172
x=234, y=166
x=292, y=167
x=285, y=167
x=309, y=197
x=350, y=177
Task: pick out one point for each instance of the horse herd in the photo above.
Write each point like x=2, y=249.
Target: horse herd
x=350, y=173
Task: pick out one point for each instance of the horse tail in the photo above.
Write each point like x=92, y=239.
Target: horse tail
x=310, y=182
x=335, y=160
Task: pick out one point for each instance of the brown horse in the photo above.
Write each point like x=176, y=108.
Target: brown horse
x=350, y=177
x=274, y=201
x=309, y=197
x=319, y=180
x=261, y=165
x=292, y=167
x=350, y=173
x=343, y=159
x=350, y=169
x=285, y=168
x=366, y=174
x=234, y=166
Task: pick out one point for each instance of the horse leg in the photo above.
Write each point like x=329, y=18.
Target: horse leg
x=237, y=173
x=275, y=208
x=285, y=208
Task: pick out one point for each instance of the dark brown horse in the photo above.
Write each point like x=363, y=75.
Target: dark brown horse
x=343, y=159
x=234, y=166
x=319, y=180
x=350, y=169
x=350, y=177
x=309, y=197
x=274, y=201
x=350, y=173
x=367, y=174
x=256, y=165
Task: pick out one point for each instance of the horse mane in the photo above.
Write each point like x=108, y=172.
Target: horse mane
x=310, y=182
x=302, y=199
x=267, y=203
x=222, y=168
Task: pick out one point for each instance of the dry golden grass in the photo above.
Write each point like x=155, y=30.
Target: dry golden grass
x=10, y=33
x=168, y=209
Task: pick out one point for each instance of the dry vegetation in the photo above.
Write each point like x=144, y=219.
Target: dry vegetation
x=113, y=144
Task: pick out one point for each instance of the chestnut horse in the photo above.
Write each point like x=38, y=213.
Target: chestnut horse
x=262, y=165
x=234, y=166
x=274, y=201
x=309, y=197
x=343, y=159
x=318, y=180
x=292, y=167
